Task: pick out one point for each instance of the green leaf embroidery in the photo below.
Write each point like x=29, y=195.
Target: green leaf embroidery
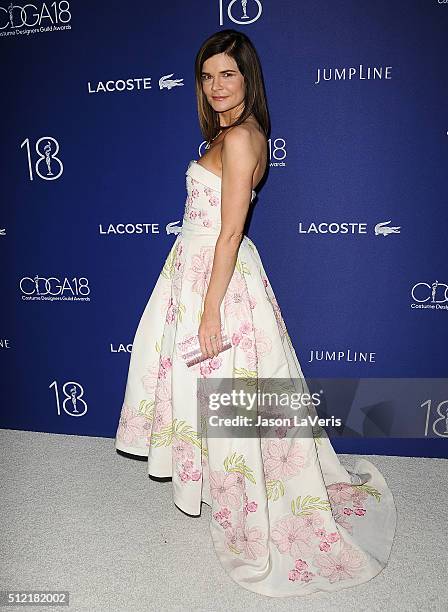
x=370, y=490
x=243, y=373
x=204, y=446
x=146, y=409
x=251, y=245
x=179, y=430
x=233, y=549
x=237, y=463
x=180, y=311
x=275, y=489
x=204, y=451
x=307, y=505
x=242, y=267
x=168, y=266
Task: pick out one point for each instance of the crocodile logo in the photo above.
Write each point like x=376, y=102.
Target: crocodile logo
x=166, y=82
x=172, y=228
x=382, y=230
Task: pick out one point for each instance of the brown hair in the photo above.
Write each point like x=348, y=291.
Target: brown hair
x=239, y=46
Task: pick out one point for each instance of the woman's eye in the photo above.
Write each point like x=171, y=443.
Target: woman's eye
x=205, y=76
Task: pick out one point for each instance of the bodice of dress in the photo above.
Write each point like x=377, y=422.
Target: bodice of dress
x=202, y=213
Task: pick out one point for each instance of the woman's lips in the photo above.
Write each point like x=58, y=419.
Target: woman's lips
x=218, y=98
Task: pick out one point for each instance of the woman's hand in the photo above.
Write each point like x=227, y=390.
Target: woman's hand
x=210, y=326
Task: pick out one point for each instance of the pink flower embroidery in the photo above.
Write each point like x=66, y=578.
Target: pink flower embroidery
x=215, y=362
x=277, y=312
x=300, y=572
x=251, y=506
x=222, y=517
x=150, y=379
x=204, y=368
x=282, y=459
x=164, y=367
x=176, y=279
x=131, y=426
x=333, y=537
x=313, y=521
x=225, y=488
x=237, y=302
x=342, y=566
x=246, y=343
x=339, y=493
x=249, y=540
x=358, y=496
x=182, y=450
x=208, y=366
x=231, y=536
x=236, y=338
x=291, y=536
x=171, y=313
x=263, y=346
x=280, y=432
x=294, y=575
x=246, y=327
x=200, y=270
x=301, y=565
x=162, y=407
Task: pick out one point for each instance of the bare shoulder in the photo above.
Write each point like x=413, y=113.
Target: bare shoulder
x=247, y=143
x=246, y=136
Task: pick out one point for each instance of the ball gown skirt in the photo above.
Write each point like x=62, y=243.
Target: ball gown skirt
x=287, y=519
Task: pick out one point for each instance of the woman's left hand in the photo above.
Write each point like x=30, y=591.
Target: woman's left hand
x=210, y=326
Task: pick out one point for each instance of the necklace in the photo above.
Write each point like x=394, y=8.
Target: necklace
x=207, y=146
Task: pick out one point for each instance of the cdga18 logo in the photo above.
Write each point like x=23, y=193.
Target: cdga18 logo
x=29, y=15
x=41, y=287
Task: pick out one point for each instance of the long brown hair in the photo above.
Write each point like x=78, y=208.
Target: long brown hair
x=239, y=46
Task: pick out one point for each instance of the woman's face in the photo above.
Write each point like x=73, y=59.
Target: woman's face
x=223, y=83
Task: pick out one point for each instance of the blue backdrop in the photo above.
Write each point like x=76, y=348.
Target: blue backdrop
x=99, y=124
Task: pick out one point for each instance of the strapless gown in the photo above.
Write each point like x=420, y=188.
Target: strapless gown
x=287, y=518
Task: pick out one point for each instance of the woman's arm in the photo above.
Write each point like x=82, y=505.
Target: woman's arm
x=239, y=161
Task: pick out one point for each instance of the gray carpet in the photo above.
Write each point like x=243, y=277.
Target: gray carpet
x=77, y=515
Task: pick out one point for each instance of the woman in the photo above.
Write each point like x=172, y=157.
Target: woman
x=287, y=518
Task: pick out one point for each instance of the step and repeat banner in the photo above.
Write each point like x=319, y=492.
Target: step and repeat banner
x=99, y=125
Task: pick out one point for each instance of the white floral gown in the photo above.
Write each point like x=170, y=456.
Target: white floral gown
x=287, y=518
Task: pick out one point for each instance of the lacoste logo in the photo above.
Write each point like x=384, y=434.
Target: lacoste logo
x=381, y=229
x=166, y=82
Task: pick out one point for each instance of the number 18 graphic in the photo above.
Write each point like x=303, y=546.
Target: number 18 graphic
x=48, y=166
x=73, y=405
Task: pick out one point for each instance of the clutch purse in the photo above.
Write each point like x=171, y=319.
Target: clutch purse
x=190, y=349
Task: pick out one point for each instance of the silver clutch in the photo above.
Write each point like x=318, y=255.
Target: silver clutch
x=190, y=349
